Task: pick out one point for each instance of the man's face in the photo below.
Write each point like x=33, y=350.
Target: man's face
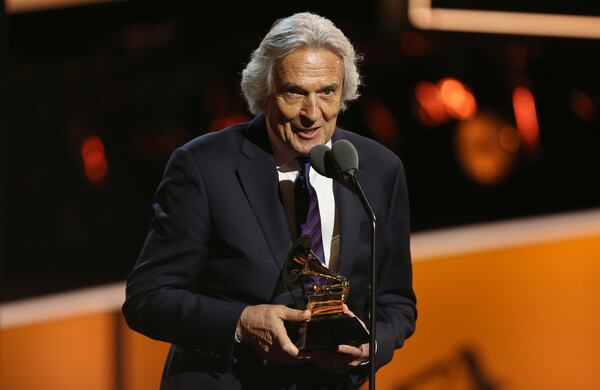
x=303, y=108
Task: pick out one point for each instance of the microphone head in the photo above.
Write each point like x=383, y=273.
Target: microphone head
x=319, y=160
x=345, y=156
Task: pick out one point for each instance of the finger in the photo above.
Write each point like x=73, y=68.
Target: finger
x=347, y=310
x=304, y=355
x=285, y=344
x=290, y=349
x=355, y=316
x=288, y=314
x=350, y=313
x=366, y=351
x=361, y=358
x=350, y=350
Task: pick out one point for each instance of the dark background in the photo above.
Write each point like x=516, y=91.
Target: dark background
x=145, y=77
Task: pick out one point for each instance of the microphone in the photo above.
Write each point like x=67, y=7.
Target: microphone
x=320, y=160
x=345, y=157
x=341, y=163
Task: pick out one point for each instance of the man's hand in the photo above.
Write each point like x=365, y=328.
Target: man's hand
x=262, y=326
x=345, y=357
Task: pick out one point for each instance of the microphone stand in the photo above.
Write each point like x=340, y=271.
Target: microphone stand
x=327, y=162
x=351, y=178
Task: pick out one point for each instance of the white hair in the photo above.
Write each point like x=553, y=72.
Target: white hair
x=301, y=30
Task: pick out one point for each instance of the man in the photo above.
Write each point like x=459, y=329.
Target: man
x=225, y=221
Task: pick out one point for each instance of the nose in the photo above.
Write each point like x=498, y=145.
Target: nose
x=310, y=109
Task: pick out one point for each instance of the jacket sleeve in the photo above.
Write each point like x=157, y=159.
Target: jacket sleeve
x=162, y=301
x=396, y=302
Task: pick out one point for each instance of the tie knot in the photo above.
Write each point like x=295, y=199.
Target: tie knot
x=304, y=165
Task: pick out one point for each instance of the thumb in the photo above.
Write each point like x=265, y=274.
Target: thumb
x=288, y=314
x=347, y=310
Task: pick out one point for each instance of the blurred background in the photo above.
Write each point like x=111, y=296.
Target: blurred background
x=493, y=108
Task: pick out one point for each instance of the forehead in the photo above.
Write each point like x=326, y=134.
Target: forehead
x=309, y=66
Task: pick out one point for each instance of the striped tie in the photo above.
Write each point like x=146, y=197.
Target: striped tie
x=308, y=218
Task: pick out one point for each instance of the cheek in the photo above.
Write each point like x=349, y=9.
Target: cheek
x=331, y=110
x=288, y=111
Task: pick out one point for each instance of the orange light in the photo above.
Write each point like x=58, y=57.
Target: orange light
x=19, y=6
x=509, y=139
x=94, y=159
x=459, y=101
x=486, y=147
x=526, y=117
x=381, y=121
x=448, y=99
x=431, y=110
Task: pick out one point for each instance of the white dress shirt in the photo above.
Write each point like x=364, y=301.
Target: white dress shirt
x=323, y=186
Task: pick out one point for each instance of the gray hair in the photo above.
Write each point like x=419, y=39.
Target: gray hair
x=301, y=30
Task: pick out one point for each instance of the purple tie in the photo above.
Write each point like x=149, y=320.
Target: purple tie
x=308, y=222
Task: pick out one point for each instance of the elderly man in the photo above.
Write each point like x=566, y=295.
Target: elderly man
x=225, y=219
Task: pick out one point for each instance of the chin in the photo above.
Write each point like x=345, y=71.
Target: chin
x=305, y=148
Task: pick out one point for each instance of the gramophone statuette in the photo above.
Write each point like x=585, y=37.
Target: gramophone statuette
x=315, y=287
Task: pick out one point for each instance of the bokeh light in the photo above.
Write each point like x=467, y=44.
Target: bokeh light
x=438, y=103
x=94, y=159
x=526, y=117
x=222, y=122
x=431, y=110
x=381, y=121
x=458, y=100
x=486, y=148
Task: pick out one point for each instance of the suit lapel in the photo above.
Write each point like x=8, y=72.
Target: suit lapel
x=258, y=178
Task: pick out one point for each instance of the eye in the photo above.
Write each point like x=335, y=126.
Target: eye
x=293, y=92
x=328, y=91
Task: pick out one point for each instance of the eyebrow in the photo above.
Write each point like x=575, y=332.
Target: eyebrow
x=295, y=87
x=334, y=86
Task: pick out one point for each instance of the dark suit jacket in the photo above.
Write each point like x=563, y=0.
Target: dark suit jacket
x=217, y=243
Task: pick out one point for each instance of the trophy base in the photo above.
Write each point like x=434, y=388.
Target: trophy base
x=327, y=332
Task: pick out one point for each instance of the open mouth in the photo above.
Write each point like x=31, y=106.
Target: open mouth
x=308, y=133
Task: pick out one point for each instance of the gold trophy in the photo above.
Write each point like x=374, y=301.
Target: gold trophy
x=315, y=287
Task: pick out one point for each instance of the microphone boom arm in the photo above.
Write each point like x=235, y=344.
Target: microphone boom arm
x=353, y=181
